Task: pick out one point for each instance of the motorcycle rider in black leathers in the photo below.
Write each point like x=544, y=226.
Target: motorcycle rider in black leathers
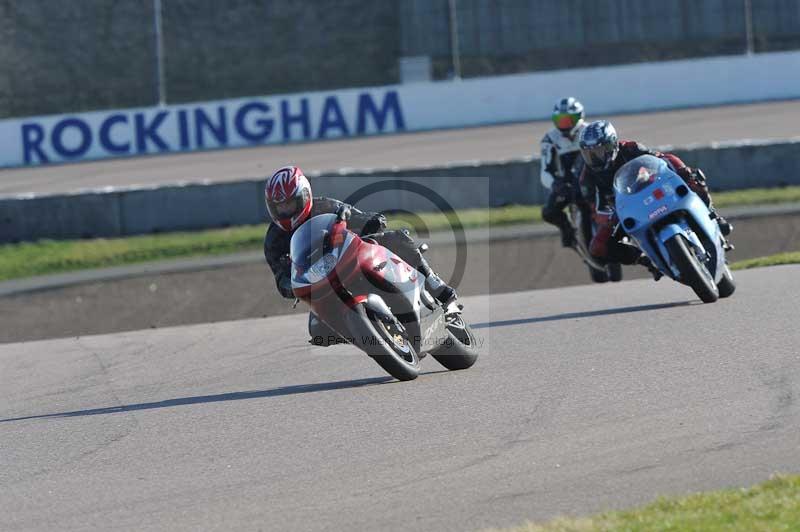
x=290, y=203
x=561, y=164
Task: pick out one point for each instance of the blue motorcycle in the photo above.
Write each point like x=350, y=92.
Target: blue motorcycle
x=673, y=227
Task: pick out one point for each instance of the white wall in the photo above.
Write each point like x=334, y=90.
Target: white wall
x=412, y=107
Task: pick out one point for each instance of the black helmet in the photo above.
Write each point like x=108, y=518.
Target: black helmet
x=568, y=115
x=599, y=145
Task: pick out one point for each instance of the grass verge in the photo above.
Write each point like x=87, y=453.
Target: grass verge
x=772, y=505
x=47, y=257
x=772, y=260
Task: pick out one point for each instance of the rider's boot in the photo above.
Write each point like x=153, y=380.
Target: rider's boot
x=443, y=292
x=567, y=235
x=645, y=261
x=321, y=334
x=697, y=182
x=725, y=227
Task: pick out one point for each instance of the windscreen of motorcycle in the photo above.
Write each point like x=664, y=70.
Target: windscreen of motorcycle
x=638, y=174
x=312, y=251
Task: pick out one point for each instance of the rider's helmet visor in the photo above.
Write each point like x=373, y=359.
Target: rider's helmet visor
x=566, y=122
x=288, y=208
x=599, y=157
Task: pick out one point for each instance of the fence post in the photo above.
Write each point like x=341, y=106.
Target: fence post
x=455, y=53
x=161, y=91
x=748, y=23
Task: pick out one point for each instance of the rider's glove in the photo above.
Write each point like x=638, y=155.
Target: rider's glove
x=284, y=277
x=698, y=176
x=343, y=213
x=285, y=286
x=376, y=224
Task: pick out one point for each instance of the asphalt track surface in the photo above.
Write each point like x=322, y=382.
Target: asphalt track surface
x=770, y=120
x=584, y=399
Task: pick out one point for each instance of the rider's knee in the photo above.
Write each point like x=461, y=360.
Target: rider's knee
x=598, y=247
x=551, y=214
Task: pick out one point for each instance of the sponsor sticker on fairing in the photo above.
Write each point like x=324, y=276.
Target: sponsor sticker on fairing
x=658, y=212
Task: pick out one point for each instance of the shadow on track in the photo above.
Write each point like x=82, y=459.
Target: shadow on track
x=587, y=314
x=234, y=396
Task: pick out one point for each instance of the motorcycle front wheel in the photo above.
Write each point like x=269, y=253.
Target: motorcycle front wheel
x=614, y=272
x=693, y=273
x=598, y=276
x=387, y=343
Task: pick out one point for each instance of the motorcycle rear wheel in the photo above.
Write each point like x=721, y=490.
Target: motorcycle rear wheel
x=693, y=273
x=726, y=285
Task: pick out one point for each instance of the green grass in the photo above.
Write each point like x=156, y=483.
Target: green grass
x=772, y=260
x=771, y=506
x=757, y=196
x=470, y=218
x=46, y=257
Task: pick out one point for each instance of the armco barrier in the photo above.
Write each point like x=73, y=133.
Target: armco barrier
x=729, y=166
x=120, y=212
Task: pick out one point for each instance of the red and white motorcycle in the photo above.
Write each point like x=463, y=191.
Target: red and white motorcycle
x=374, y=300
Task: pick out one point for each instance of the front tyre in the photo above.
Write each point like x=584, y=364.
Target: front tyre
x=726, y=285
x=387, y=343
x=598, y=276
x=460, y=349
x=693, y=273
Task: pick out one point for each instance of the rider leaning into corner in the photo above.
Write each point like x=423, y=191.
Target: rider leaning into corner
x=290, y=203
x=604, y=154
x=560, y=165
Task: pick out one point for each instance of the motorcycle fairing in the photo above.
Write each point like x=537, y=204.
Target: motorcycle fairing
x=358, y=273
x=661, y=215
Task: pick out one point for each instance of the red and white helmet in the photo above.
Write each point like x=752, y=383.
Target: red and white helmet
x=288, y=197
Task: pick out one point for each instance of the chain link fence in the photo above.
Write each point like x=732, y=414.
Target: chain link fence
x=470, y=38
x=61, y=56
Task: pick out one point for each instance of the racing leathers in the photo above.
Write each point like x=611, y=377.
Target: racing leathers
x=606, y=244
x=561, y=165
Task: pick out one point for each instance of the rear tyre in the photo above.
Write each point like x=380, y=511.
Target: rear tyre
x=598, y=276
x=460, y=349
x=614, y=272
x=726, y=285
x=693, y=273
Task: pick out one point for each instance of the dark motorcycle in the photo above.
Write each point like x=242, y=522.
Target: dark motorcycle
x=580, y=217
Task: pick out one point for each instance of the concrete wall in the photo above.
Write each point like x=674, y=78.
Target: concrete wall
x=729, y=166
x=190, y=207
